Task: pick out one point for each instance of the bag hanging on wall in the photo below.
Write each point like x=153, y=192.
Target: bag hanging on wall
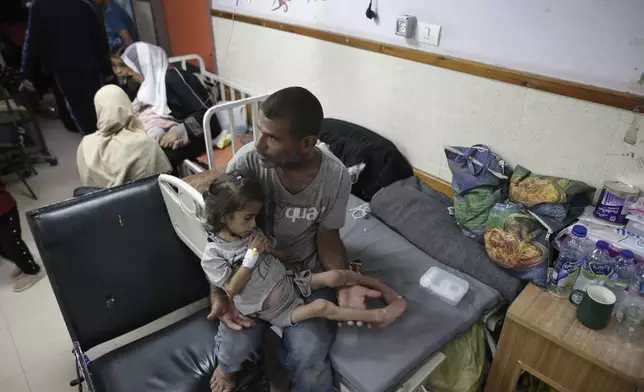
x=479, y=181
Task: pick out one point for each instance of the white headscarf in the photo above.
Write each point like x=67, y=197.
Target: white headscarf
x=151, y=63
x=119, y=151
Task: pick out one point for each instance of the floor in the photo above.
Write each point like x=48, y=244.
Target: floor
x=35, y=347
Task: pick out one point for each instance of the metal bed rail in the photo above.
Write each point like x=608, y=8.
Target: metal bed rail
x=229, y=108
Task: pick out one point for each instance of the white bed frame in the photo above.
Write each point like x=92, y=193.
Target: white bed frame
x=184, y=212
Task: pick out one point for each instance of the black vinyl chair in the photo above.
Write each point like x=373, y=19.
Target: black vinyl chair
x=85, y=190
x=116, y=264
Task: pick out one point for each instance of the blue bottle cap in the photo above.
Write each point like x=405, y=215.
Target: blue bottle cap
x=602, y=244
x=579, y=230
x=627, y=254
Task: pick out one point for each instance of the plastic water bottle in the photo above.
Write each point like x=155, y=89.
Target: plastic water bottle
x=563, y=275
x=594, y=270
x=623, y=269
x=634, y=297
x=619, y=280
x=636, y=286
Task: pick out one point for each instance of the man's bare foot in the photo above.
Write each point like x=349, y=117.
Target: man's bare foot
x=222, y=381
x=391, y=312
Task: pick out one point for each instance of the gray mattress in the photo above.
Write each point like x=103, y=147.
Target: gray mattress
x=379, y=360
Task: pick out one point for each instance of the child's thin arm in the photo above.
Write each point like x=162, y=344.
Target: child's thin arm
x=238, y=281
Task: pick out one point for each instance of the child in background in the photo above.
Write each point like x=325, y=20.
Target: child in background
x=13, y=248
x=243, y=262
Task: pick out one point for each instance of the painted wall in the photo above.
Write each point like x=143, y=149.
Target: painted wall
x=598, y=42
x=189, y=29
x=422, y=108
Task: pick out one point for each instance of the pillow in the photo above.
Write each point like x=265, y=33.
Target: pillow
x=420, y=214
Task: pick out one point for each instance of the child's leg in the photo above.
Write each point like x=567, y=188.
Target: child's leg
x=323, y=308
x=341, y=278
x=13, y=247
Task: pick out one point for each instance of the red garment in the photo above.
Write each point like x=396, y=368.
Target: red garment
x=7, y=202
x=15, y=30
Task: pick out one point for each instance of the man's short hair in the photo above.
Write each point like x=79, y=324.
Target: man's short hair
x=299, y=107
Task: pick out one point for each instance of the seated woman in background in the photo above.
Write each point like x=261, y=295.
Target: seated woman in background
x=120, y=150
x=170, y=102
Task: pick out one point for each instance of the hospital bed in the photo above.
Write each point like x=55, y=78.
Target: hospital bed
x=399, y=358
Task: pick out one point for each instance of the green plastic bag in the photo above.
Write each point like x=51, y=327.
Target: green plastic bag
x=529, y=383
x=465, y=365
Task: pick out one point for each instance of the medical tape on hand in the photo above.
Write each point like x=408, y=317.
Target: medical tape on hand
x=250, y=259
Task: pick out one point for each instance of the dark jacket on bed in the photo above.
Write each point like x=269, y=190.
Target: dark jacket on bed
x=188, y=97
x=354, y=144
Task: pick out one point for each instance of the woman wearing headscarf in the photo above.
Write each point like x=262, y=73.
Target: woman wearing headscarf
x=170, y=102
x=120, y=150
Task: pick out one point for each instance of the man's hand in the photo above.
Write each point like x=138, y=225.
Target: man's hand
x=354, y=297
x=222, y=308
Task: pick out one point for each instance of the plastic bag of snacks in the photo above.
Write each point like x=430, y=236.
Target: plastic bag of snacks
x=519, y=242
x=549, y=196
x=479, y=181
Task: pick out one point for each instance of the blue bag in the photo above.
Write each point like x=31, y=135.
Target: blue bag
x=475, y=166
x=479, y=181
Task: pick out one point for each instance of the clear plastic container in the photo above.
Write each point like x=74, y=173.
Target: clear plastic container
x=446, y=286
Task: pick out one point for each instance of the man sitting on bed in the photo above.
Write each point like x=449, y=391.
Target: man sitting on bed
x=307, y=191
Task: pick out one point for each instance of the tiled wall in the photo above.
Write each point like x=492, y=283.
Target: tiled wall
x=423, y=108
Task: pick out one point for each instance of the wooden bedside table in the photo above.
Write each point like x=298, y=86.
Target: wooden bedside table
x=542, y=336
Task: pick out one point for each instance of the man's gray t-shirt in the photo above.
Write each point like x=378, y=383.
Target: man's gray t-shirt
x=293, y=219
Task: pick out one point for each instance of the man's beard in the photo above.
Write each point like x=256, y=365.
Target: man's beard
x=266, y=164
x=292, y=159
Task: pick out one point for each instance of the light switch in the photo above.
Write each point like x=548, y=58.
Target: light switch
x=428, y=34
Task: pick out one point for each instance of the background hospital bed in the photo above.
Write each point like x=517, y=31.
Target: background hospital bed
x=229, y=97
x=382, y=370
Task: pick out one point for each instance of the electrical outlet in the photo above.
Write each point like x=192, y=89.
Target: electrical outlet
x=405, y=25
x=428, y=34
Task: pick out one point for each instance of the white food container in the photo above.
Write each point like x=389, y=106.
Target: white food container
x=446, y=286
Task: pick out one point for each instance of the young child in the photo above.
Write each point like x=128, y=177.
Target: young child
x=26, y=272
x=243, y=262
